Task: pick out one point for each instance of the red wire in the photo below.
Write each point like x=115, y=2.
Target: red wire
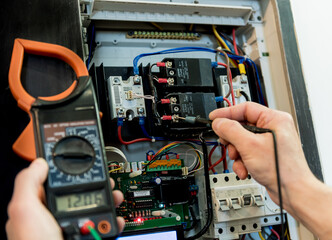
x=210, y=156
x=275, y=233
x=243, y=237
x=223, y=158
x=228, y=102
x=133, y=141
x=234, y=42
x=230, y=83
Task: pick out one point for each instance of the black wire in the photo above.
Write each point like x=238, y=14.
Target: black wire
x=279, y=182
x=195, y=221
x=207, y=191
x=245, y=96
x=231, y=41
x=263, y=130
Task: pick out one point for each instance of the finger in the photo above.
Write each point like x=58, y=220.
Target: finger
x=29, y=182
x=232, y=132
x=118, y=197
x=223, y=141
x=249, y=112
x=232, y=152
x=112, y=183
x=240, y=169
x=121, y=223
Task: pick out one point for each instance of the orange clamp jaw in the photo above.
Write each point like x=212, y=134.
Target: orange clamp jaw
x=25, y=145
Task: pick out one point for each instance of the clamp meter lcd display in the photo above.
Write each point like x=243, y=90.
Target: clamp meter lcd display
x=65, y=130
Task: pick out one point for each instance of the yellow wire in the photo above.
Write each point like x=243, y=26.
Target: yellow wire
x=286, y=234
x=157, y=26
x=222, y=42
x=113, y=170
x=261, y=236
x=191, y=27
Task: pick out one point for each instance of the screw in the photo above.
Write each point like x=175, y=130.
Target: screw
x=136, y=80
x=176, y=109
x=170, y=81
x=169, y=64
x=140, y=110
x=171, y=72
x=173, y=100
x=116, y=80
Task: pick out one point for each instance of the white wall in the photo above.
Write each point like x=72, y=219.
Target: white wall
x=313, y=23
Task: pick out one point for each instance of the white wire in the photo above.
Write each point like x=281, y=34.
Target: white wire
x=196, y=170
x=186, y=157
x=135, y=95
x=196, y=158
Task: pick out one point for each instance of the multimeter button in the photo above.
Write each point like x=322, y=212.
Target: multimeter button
x=73, y=155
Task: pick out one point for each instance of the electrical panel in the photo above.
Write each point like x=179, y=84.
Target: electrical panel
x=155, y=65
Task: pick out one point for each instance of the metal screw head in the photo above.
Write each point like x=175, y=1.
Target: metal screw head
x=120, y=111
x=116, y=80
x=176, y=109
x=168, y=64
x=170, y=81
x=140, y=110
x=171, y=72
x=136, y=80
x=173, y=100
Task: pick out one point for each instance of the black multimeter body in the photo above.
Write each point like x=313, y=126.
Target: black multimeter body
x=68, y=135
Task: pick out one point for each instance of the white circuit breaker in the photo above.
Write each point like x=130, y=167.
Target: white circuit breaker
x=239, y=207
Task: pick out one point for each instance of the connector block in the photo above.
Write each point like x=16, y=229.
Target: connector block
x=165, y=165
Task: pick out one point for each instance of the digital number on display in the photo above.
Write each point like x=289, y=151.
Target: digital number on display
x=80, y=201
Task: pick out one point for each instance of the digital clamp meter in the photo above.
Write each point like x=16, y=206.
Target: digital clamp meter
x=65, y=130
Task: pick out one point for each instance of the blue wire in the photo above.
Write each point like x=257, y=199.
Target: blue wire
x=90, y=50
x=229, y=46
x=168, y=51
x=142, y=123
x=201, y=49
x=148, y=136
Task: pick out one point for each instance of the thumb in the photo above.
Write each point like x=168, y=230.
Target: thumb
x=30, y=180
x=231, y=131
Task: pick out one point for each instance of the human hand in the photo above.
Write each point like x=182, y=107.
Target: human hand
x=255, y=152
x=28, y=217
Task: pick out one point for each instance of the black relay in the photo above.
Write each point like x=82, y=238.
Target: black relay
x=192, y=104
x=188, y=72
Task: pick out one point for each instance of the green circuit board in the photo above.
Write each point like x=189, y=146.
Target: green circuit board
x=145, y=205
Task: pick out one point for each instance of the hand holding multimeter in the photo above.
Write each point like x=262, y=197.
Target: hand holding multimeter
x=65, y=130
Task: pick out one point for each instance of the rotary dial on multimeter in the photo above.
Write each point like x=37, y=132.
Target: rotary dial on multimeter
x=73, y=153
